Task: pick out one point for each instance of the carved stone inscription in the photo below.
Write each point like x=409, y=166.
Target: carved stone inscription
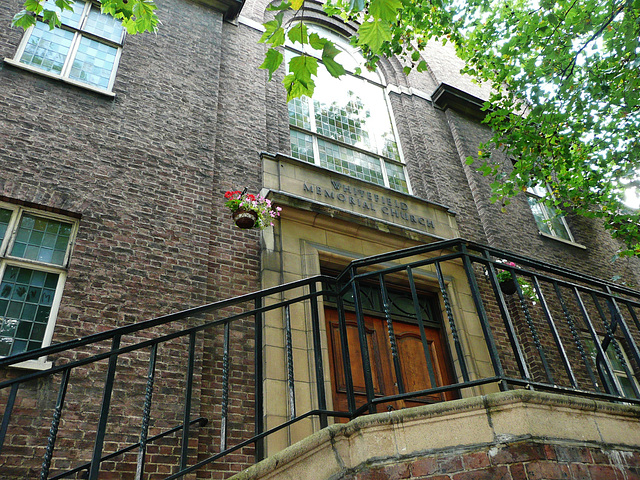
x=367, y=202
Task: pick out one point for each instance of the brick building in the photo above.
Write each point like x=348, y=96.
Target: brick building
x=116, y=152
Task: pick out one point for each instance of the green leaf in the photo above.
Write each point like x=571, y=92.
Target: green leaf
x=146, y=19
x=303, y=67
x=64, y=4
x=422, y=66
x=23, y=19
x=385, y=9
x=296, y=88
x=33, y=6
x=317, y=42
x=272, y=60
x=274, y=33
x=329, y=53
x=373, y=34
x=51, y=18
x=298, y=33
x=285, y=5
x=297, y=4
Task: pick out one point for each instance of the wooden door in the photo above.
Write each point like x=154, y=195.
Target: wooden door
x=413, y=364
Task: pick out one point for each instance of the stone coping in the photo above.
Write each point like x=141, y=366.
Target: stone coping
x=493, y=419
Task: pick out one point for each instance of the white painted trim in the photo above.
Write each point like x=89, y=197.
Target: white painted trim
x=247, y=22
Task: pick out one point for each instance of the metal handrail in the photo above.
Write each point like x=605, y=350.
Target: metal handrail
x=570, y=308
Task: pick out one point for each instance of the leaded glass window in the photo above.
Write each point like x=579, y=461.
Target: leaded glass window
x=347, y=126
x=85, y=48
x=547, y=218
x=34, y=253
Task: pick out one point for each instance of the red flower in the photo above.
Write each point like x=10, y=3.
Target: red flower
x=251, y=197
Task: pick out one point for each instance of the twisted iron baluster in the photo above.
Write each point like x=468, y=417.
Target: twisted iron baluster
x=392, y=335
x=55, y=423
x=452, y=325
x=532, y=329
x=146, y=412
x=289, y=347
x=225, y=388
x=575, y=335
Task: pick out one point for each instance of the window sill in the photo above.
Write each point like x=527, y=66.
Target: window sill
x=562, y=240
x=29, y=68
x=39, y=364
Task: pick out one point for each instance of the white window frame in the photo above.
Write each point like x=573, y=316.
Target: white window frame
x=7, y=260
x=373, y=78
x=536, y=194
x=79, y=33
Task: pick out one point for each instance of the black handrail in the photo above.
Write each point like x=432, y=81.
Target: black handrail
x=541, y=343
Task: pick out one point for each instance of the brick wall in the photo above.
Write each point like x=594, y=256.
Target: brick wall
x=527, y=460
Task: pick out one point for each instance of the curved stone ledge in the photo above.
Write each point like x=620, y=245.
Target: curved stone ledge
x=455, y=426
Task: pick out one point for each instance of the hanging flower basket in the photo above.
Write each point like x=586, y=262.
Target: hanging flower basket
x=251, y=211
x=508, y=287
x=245, y=218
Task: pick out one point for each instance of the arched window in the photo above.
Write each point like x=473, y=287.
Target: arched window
x=347, y=126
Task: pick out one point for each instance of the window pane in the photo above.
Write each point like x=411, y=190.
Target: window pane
x=23, y=319
x=299, y=113
x=350, y=162
x=68, y=17
x=538, y=213
x=47, y=49
x=395, y=174
x=5, y=217
x=43, y=240
x=625, y=385
x=352, y=112
x=301, y=146
x=94, y=63
x=342, y=118
x=104, y=26
x=559, y=228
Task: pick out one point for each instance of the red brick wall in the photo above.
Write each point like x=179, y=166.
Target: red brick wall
x=526, y=460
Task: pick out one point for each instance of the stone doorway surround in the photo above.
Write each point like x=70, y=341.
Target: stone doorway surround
x=317, y=231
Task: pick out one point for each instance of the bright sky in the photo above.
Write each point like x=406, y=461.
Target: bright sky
x=633, y=198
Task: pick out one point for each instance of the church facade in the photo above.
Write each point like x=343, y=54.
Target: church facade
x=144, y=335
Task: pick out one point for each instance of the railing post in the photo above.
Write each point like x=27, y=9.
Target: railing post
x=484, y=320
x=423, y=335
x=452, y=324
x=146, y=411
x=55, y=423
x=508, y=322
x=364, y=346
x=259, y=376
x=94, y=470
x=532, y=328
x=184, y=451
x=317, y=352
x=225, y=388
x=289, y=358
x=575, y=335
x=601, y=357
x=555, y=333
x=346, y=358
x=8, y=410
x=392, y=337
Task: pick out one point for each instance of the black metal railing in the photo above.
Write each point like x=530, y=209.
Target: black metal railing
x=139, y=388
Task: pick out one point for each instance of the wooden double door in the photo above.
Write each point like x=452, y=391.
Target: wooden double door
x=413, y=363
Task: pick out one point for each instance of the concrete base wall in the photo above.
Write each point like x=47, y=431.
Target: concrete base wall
x=508, y=435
